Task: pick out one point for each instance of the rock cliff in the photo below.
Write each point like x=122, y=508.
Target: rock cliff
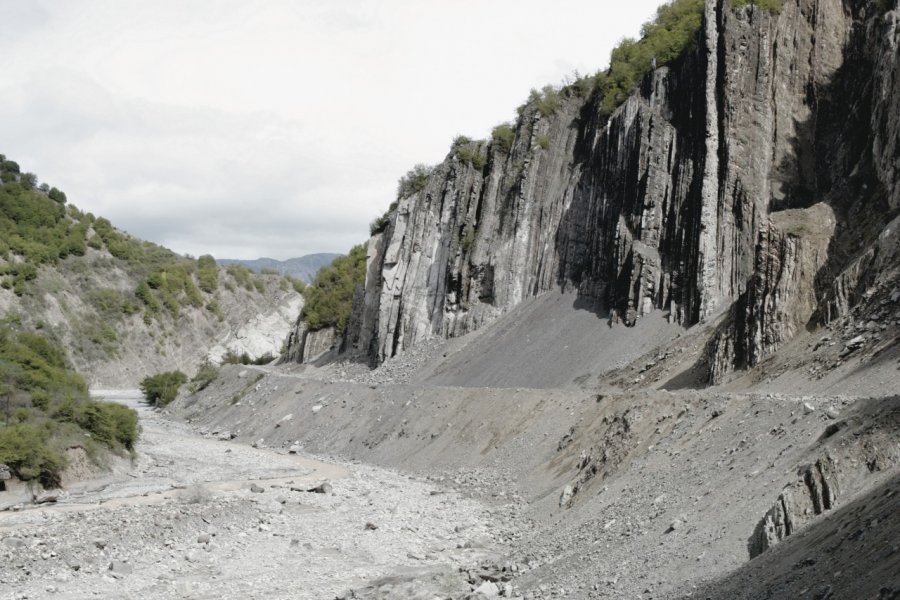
x=750, y=183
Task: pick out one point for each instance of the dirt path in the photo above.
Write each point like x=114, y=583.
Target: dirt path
x=195, y=517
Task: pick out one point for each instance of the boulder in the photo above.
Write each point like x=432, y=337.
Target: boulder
x=322, y=488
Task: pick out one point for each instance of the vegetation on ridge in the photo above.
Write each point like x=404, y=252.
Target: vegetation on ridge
x=503, y=136
x=663, y=39
x=413, y=182
x=469, y=152
x=38, y=228
x=35, y=226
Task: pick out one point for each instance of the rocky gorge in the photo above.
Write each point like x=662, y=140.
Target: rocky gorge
x=643, y=349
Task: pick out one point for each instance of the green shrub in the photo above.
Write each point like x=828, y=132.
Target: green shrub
x=379, y=224
x=472, y=155
x=546, y=100
x=296, y=283
x=213, y=307
x=28, y=181
x=109, y=423
x=329, y=299
x=503, y=136
x=109, y=303
x=460, y=140
x=468, y=239
x=56, y=195
x=126, y=429
x=263, y=359
x=414, y=180
x=171, y=303
x=241, y=275
x=207, y=273
x=206, y=374
x=146, y=296
x=26, y=449
x=162, y=388
x=192, y=293
x=233, y=358
x=542, y=141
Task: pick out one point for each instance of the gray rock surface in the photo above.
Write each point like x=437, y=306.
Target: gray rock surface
x=731, y=181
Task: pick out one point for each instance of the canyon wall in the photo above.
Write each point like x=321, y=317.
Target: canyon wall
x=745, y=184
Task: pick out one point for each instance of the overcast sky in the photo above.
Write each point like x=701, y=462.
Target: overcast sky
x=274, y=127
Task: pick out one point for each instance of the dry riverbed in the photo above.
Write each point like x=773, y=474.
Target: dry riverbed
x=196, y=517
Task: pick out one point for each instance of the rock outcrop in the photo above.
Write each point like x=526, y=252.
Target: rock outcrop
x=744, y=175
x=851, y=453
x=305, y=346
x=263, y=334
x=815, y=493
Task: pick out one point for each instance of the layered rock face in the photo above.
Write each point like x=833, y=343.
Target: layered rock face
x=728, y=180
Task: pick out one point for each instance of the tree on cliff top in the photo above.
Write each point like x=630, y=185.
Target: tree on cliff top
x=662, y=40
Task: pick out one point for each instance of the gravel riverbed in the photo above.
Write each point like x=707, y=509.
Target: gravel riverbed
x=197, y=517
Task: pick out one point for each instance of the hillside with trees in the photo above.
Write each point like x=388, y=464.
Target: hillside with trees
x=120, y=307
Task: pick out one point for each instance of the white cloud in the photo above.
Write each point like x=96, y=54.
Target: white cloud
x=273, y=128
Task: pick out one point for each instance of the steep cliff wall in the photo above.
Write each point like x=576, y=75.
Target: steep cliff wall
x=747, y=173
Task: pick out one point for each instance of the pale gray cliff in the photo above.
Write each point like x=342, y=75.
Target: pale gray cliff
x=745, y=184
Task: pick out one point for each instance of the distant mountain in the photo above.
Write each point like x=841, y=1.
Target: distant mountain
x=304, y=267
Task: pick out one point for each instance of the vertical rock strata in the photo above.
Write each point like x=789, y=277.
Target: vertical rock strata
x=725, y=184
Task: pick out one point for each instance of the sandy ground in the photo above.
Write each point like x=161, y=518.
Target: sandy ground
x=183, y=522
